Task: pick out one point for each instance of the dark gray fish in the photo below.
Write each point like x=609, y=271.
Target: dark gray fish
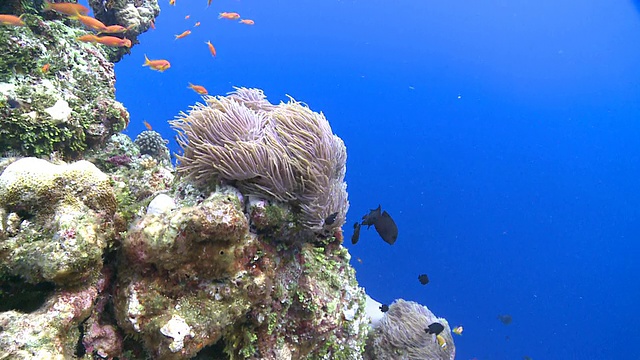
x=505, y=319
x=331, y=219
x=356, y=233
x=371, y=217
x=384, y=308
x=386, y=228
x=435, y=328
x=423, y=278
x=13, y=103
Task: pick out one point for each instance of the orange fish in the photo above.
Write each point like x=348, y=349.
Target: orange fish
x=91, y=23
x=229, y=15
x=184, y=34
x=147, y=125
x=187, y=17
x=197, y=24
x=115, y=29
x=69, y=9
x=247, y=21
x=152, y=24
x=172, y=2
x=159, y=65
x=45, y=68
x=113, y=41
x=198, y=88
x=87, y=38
x=212, y=50
x=11, y=20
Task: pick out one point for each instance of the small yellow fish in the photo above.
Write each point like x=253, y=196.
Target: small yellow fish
x=65, y=8
x=212, y=49
x=198, y=88
x=229, y=15
x=158, y=65
x=183, y=35
x=11, y=20
x=458, y=330
x=441, y=341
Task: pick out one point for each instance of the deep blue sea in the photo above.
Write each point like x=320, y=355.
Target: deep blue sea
x=502, y=136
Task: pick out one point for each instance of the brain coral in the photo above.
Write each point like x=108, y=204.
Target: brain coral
x=286, y=152
x=54, y=220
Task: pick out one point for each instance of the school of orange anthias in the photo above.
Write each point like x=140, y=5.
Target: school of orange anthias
x=102, y=33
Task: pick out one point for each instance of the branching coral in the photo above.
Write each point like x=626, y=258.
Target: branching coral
x=285, y=151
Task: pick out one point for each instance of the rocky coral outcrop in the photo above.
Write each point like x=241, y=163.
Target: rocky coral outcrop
x=195, y=276
x=51, y=332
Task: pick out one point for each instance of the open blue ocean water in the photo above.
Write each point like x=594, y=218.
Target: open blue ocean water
x=502, y=136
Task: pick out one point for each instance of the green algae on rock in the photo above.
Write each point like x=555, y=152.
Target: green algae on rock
x=67, y=109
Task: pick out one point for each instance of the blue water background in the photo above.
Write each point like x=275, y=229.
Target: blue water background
x=502, y=136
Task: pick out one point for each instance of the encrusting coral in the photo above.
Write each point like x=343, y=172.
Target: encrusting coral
x=286, y=152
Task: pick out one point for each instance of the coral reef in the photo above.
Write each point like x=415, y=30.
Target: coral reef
x=286, y=152
x=67, y=108
x=115, y=257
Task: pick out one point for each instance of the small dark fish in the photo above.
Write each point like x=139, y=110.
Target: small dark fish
x=527, y=358
x=505, y=319
x=384, y=308
x=356, y=233
x=435, y=328
x=331, y=219
x=423, y=278
x=387, y=228
x=13, y=103
x=371, y=217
